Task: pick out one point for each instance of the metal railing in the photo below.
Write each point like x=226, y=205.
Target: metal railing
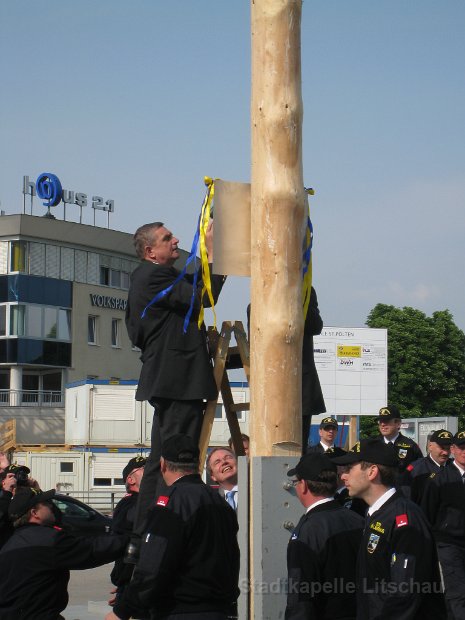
x=31, y=398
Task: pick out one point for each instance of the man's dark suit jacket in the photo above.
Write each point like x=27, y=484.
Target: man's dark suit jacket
x=312, y=395
x=175, y=365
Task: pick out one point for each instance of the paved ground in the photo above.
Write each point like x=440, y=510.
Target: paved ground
x=89, y=591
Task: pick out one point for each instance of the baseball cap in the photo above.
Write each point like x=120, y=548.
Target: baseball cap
x=391, y=412
x=311, y=465
x=180, y=448
x=135, y=463
x=442, y=437
x=371, y=451
x=459, y=438
x=329, y=421
x=25, y=499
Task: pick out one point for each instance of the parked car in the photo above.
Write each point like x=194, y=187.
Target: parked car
x=80, y=519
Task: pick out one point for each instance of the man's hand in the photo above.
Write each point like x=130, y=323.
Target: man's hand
x=112, y=616
x=209, y=241
x=112, y=600
x=9, y=483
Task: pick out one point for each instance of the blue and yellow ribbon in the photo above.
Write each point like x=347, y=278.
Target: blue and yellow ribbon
x=199, y=239
x=307, y=261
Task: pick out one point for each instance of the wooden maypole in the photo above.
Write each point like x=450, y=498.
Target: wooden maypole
x=278, y=216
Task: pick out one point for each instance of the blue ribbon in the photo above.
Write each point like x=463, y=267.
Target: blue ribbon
x=308, y=250
x=192, y=257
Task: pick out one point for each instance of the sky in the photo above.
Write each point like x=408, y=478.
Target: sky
x=138, y=100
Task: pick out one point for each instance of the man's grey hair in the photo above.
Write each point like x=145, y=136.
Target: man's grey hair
x=186, y=468
x=143, y=237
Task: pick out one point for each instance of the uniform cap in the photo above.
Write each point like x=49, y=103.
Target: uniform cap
x=25, y=499
x=311, y=466
x=391, y=412
x=371, y=451
x=442, y=437
x=135, y=463
x=459, y=438
x=329, y=421
x=180, y=448
x=15, y=468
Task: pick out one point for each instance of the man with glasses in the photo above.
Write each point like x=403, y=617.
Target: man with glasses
x=322, y=551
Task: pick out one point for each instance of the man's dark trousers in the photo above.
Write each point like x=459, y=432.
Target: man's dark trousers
x=170, y=417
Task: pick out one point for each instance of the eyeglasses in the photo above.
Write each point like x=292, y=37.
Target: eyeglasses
x=295, y=482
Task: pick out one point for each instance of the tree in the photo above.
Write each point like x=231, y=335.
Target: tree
x=426, y=362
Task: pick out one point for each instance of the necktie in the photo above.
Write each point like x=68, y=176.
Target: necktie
x=230, y=498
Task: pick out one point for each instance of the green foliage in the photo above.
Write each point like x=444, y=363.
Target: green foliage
x=426, y=363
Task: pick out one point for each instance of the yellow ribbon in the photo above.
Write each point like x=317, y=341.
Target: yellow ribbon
x=204, y=221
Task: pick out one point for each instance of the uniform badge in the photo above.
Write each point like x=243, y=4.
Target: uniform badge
x=401, y=520
x=402, y=453
x=372, y=543
x=294, y=536
x=163, y=500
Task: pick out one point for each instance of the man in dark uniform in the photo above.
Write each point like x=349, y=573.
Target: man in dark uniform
x=397, y=573
x=177, y=374
x=322, y=551
x=439, y=444
x=36, y=560
x=389, y=422
x=123, y=520
x=189, y=558
x=443, y=502
x=327, y=433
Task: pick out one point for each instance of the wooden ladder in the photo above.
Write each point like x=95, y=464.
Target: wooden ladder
x=226, y=357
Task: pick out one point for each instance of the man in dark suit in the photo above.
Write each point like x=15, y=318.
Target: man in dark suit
x=327, y=433
x=313, y=402
x=177, y=374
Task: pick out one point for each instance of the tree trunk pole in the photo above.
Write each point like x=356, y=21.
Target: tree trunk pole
x=278, y=217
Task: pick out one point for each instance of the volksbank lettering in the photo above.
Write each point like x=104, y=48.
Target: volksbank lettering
x=102, y=301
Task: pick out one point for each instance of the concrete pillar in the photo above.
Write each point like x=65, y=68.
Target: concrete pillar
x=16, y=385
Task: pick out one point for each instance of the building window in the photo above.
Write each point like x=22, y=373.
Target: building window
x=115, y=278
x=18, y=256
x=17, y=320
x=92, y=330
x=64, y=324
x=105, y=276
x=115, y=332
x=66, y=467
x=124, y=280
x=102, y=482
x=2, y=320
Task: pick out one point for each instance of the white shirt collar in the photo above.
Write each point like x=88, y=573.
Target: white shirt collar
x=325, y=447
x=461, y=470
x=318, y=503
x=380, y=501
x=386, y=440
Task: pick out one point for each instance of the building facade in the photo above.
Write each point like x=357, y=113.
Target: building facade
x=63, y=294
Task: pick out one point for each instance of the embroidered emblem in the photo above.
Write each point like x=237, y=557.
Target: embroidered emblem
x=401, y=520
x=372, y=543
x=163, y=500
x=402, y=454
x=376, y=525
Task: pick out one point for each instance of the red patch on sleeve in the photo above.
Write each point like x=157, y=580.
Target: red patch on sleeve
x=59, y=529
x=410, y=467
x=163, y=500
x=401, y=520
